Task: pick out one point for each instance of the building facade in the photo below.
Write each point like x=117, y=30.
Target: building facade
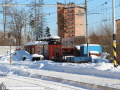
x=71, y=21
x=118, y=25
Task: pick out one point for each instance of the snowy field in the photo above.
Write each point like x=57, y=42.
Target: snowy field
x=49, y=75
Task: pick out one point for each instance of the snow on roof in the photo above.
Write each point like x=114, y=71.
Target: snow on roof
x=94, y=52
x=55, y=37
x=41, y=43
x=90, y=45
x=51, y=37
x=77, y=47
x=35, y=43
x=32, y=43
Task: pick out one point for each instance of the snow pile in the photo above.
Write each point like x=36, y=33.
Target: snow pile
x=41, y=65
x=6, y=57
x=100, y=59
x=96, y=69
x=16, y=55
x=104, y=55
x=19, y=54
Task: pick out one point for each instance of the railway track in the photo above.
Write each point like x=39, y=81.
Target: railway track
x=48, y=83
x=51, y=79
x=27, y=83
x=67, y=81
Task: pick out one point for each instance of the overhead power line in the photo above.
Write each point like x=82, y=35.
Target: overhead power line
x=98, y=6
x=39, y=5
x=105, y=20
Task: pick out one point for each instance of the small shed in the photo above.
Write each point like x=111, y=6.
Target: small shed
x=31, y=47
x=93, y=49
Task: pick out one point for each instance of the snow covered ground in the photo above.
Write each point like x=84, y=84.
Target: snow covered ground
x=49, y=75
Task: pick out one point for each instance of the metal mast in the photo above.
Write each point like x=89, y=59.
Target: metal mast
x=114, y=34
x=87, y=29
x=35, y=20
x=4, y=17
x=65, y=2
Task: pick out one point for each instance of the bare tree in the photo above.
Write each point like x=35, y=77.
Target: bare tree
x=17, y=23
x=5, y=12
x=103, y=36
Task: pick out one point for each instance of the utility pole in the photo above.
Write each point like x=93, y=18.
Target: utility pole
x=40, y=13
x=10, y=51
x=25, y=35
x=65, y=2
x=9, y=36
x=114, y=34
x=86, y=28
x=35, y=21
x=4, y=17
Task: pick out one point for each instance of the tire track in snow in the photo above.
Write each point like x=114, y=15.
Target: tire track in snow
x=66, y=81
x=47, y=85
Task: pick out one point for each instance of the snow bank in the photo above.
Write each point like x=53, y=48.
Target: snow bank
x=97, y=69
x=102, y=71
x=6, y=57
x=16, y=55
x=19, y=54
x=101, y=67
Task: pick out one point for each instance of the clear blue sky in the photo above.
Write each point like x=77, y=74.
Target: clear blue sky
x=99, y=11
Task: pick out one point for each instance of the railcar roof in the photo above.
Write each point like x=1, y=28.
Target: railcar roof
x=48, y=38
x=32, y=43
x=90, y=45
x=35, y=43
x=41, y=43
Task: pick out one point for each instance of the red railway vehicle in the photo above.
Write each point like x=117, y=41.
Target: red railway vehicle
x=57, y=54
x=60, y=53
x=49, y=49
x=43, y=47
